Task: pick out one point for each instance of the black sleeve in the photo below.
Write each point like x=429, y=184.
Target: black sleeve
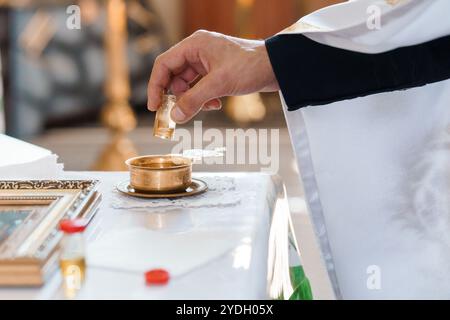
x=310, y=73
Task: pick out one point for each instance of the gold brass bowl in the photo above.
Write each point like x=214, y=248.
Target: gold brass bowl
x=160, y=173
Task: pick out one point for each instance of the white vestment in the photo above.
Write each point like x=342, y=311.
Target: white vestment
x=376, y=169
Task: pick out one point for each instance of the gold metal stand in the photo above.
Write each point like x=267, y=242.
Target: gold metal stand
x=248, y=108
x=117, y=114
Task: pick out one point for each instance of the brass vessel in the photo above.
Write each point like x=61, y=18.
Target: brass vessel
x=160, y=173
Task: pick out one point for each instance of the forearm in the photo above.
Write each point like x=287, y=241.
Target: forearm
x=310, y=73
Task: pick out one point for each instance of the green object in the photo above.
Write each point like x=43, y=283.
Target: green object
x=299, y=280
x=300, y=283
x=287, y=276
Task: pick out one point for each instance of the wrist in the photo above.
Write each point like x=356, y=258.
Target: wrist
x=271, y=83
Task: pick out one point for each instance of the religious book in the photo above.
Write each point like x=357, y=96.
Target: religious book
x=20, y=160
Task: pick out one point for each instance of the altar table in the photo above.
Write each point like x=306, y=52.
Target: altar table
x=238, y=274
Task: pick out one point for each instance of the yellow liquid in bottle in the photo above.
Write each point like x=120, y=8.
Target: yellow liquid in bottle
x=164, y=126
x=73, y=273
x=162, y=131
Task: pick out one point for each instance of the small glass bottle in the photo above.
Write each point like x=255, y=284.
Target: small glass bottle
x=72, y=256
x=164, y=126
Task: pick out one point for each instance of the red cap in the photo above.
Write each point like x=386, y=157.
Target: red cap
x=72, y=226
x=157, y=277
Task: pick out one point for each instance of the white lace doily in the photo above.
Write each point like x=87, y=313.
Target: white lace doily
x=221, y=193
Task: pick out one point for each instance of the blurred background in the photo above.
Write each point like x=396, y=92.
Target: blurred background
x=55, y=78
x=82, y=92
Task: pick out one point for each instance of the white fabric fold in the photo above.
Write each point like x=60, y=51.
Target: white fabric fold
x=403, y=23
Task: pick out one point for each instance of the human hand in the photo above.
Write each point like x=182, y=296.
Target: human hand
x=222, y=65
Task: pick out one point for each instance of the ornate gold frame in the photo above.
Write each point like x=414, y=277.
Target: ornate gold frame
x=35, y=242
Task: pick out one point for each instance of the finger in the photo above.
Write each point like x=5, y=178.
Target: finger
x=155, y=89
x=193, y=99
x=171, y=62
x=183, y=81
x=178, y=86
x=212, y=105
x=159, y=80
x=189, y=74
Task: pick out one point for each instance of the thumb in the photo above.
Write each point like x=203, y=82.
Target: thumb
x=191, y=102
